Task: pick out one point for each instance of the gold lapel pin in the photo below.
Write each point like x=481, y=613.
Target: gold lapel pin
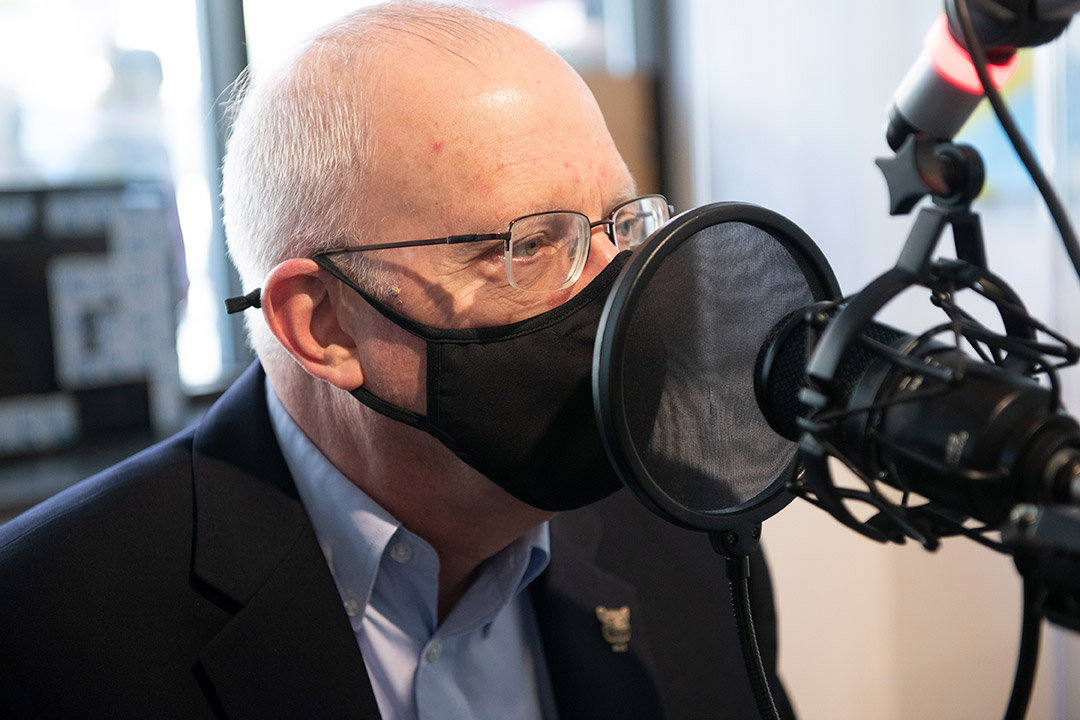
x=615, y=626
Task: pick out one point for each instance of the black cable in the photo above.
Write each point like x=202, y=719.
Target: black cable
x=738, y=571
x=1029, y=652
x=1053, y=202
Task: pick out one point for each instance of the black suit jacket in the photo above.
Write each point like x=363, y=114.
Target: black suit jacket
x=187, y=582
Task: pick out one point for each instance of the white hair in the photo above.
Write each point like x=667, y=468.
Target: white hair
x=300, y=150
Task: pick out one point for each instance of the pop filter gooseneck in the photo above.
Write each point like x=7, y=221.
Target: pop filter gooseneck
x=673, y=379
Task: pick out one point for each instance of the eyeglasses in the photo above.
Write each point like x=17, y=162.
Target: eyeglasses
x=547, y=251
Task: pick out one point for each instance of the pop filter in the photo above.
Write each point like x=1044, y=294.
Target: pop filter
x=673, y=367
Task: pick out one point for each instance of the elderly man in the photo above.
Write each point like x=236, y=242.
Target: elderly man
x=369, y=528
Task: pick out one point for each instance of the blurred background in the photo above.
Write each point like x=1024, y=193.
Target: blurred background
x=113, y=269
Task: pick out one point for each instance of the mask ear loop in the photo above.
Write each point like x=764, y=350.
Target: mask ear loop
x=242, y=302
x=253, y=299
x=324, y=261
x=408, y=417
x=373, y=401
x=420, y=330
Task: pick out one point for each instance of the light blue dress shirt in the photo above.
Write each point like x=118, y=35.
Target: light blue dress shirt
x=485, y=661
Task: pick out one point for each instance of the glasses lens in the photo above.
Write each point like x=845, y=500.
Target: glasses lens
x=635, y=221
x=547, y=251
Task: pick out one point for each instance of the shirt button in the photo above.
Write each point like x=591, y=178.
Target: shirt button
x=434, y=652
x=352, y=607
x=401, y=552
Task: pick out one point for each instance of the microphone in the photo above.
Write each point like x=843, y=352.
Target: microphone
x=970, y=50
x=973, y=437
x=727, y=372
x=942, y=89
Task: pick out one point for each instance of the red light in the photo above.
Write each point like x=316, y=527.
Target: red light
x=954, y=64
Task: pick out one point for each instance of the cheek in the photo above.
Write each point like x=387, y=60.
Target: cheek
x=394, y=361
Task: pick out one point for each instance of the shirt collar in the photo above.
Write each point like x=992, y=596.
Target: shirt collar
x=354, y=533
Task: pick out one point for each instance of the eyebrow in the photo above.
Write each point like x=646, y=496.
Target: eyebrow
x=620, y=198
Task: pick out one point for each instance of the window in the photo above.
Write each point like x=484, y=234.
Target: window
x=110, y=92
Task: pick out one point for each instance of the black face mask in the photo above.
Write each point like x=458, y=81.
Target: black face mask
x=515, y=401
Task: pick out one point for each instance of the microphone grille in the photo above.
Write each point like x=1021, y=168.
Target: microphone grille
x=780, y=369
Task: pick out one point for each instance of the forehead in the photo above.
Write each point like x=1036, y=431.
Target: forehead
x=505, y=130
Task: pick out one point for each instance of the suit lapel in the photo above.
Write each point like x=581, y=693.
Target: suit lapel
x=289, y=650
x=589, y=677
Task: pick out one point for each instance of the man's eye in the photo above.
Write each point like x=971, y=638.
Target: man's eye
x=530, y=246
x=626, y=227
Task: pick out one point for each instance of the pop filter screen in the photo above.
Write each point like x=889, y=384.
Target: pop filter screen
x=674, y=365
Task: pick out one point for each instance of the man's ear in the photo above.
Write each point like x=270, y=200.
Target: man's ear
x=298, y=303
